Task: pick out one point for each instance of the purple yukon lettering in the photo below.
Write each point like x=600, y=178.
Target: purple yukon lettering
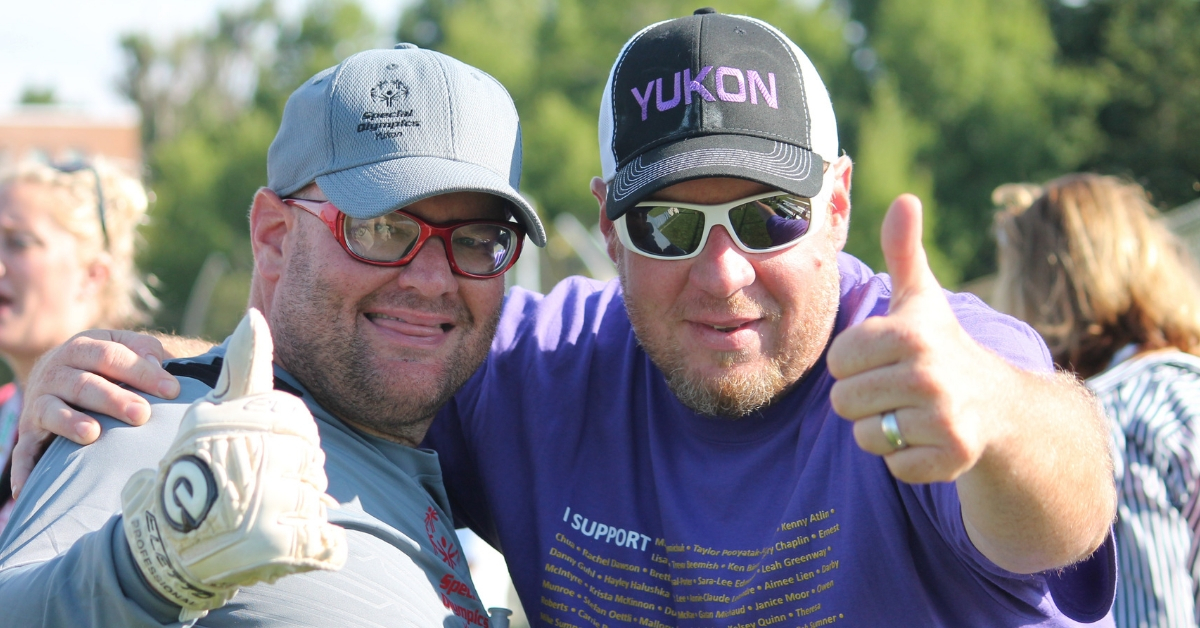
x=695, y=86
x=740, y=94
x=756, y=86
x=670, y=104
x=643, y=100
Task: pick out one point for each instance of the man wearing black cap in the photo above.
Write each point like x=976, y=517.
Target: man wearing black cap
x=752, y=428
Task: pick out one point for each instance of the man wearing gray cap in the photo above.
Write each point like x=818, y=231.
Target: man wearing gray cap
x=380, y=245
x=752, y=428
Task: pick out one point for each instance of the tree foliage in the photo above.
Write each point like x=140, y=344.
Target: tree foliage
x=976, y=84
x=554, y=58
x=1148, y=55
x=38, y=95
x=211, y=104
x=944, y=98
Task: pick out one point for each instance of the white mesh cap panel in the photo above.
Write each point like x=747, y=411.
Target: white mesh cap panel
x=823, y=123
x=608, y=158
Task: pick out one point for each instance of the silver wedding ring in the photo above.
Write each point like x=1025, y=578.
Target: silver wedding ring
x=891, y=431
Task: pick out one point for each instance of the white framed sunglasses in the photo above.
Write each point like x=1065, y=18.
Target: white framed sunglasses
x=762, y=223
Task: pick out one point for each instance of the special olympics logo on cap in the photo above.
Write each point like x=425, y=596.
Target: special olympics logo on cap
x=188, y=493
x=389, y=92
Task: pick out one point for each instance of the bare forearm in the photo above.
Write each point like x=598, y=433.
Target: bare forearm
x=180, y=346
x=1042, y=494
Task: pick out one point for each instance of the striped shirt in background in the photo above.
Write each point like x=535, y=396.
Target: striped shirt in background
x=1153, y=402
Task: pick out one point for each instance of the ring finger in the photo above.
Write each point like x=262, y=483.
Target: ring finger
x=870, y=435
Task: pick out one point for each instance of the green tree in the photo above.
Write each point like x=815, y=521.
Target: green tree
x=38, y=95
x=1148, y=53
x=554, y=58
x=981, y=101
x=887, y=165
x=943, y=98
x=211, y=104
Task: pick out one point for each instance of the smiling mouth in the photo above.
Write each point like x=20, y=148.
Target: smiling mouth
x=726, y=329
x=445, y=327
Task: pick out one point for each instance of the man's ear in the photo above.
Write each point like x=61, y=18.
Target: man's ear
x=839, y=202
x=611, y=242
x=270, y=222
x=97, y=273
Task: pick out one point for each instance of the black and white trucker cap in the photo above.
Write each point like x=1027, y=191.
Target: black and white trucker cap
x=712, y=95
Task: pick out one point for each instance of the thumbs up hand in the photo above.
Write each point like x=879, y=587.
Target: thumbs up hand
x=240, y=496
x=914, y=383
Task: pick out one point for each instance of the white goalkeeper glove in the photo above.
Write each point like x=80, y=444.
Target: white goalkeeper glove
x=240, y=496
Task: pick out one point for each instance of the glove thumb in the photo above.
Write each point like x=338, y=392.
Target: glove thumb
x=247, y=368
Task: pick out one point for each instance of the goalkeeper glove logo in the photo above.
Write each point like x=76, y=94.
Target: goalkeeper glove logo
x=188, y=493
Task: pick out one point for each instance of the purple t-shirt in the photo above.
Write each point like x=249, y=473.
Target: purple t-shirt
x=614, y=504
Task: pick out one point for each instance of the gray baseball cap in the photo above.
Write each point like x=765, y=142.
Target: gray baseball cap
x=386, y=128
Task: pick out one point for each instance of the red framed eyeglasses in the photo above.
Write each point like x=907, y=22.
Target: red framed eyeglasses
x=481, y=249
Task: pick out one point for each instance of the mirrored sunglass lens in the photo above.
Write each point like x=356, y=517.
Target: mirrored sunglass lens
x=386, y=238
x=665, y=231
x=771, y=222
x=483, y=249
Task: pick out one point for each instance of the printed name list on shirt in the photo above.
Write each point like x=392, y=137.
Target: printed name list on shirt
x=602, y=575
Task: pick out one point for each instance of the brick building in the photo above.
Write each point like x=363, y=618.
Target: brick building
x=65, y=134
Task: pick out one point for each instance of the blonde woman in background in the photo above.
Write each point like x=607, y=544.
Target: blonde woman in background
x=1086, y=262
x=67, y=237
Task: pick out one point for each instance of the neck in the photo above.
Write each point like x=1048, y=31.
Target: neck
x=411, y=433
x=21, y=368
x=411, y=439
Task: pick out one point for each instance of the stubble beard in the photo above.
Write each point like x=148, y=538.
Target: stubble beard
x=344, y=374
x=736, y=394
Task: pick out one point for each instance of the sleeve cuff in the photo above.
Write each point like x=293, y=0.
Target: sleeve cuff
x=133, y=583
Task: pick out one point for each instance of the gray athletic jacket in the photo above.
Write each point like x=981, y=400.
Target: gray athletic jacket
x=64, y=560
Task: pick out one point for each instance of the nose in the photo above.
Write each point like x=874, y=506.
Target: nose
x=429, y=272
x=721, y=269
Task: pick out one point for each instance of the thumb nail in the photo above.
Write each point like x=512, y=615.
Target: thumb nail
x=85, y=430
x=168, y=387
x=137, y=413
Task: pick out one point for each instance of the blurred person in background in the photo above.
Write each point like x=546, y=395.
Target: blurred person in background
x=1086, y=263
x=66, y=264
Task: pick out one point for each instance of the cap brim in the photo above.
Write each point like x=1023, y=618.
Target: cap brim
x=780, y=165
x=376, y=189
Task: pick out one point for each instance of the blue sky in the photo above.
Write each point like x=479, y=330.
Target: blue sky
x=71, y=45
